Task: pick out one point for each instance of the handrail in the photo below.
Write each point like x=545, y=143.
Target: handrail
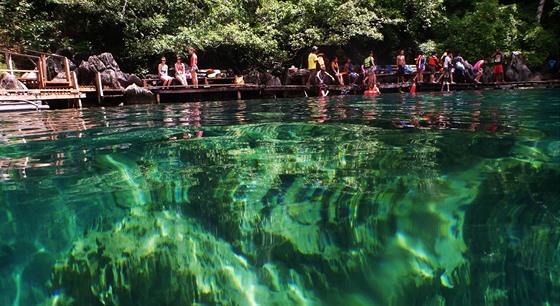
x=19, y=54
x=44, y=53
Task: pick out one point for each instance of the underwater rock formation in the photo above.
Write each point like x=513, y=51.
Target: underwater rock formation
x=163, y=258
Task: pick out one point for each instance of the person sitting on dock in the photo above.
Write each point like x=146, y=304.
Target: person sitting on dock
x=352, y=75
x=163, y=73
x=194, y=67
x=181, y=72
x=336, y=70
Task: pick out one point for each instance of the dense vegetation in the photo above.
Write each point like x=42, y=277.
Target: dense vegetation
x=255, y=33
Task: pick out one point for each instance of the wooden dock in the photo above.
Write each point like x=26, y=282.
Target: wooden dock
x=40, y=93
x=37, y=88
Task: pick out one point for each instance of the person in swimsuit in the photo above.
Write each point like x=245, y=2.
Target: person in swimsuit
x=194, y=67
x=420, y=67
x=336, y=70
x=181, y=72
x=401, y=62
x=163, y=73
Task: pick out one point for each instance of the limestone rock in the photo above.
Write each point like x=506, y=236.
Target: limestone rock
x=134, y=94
x=8, y=81
x=111, y=74
x=517, y=70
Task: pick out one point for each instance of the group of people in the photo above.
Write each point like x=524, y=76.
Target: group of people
x=183, y=72
x=452, y=68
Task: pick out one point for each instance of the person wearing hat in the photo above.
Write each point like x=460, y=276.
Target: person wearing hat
x=312, y=64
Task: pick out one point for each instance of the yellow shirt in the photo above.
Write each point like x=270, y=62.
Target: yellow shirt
x=312, y=61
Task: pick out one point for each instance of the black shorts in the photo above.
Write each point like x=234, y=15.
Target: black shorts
x=400, y=71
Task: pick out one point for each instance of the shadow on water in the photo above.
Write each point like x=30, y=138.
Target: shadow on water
x=416, y=199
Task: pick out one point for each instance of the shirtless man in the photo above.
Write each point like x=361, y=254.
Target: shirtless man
x=401, y=63
x=194, y=67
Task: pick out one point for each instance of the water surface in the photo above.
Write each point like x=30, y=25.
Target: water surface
x=398, y=199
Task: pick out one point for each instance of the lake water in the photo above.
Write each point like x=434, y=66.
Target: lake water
x=397, y=199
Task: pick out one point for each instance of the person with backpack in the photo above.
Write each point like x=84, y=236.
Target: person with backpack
x=369, y=65
x=433, y=64
x=420, y=67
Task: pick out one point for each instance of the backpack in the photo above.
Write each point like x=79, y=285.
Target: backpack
x=368, y=62
x=432, y=61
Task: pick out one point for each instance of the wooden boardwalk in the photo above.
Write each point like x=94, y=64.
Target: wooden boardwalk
x=66, y=93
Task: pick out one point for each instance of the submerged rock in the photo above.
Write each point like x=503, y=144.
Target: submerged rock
x=163, y=258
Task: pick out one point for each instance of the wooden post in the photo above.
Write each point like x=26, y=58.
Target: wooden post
x=42, y=77
x=9, y=63
x=98, y=87
x=77, y=88
x=67, y=71
x=157, y=98
x=238, y=94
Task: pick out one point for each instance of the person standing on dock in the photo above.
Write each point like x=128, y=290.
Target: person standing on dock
x=163, y=73
x=181, y=72
x=447, y=66
x=401, y=63
x=369, y=65
x=194, y=67
x=433, y=64
x=498, y=70
x=312, y=64
x=420, y=67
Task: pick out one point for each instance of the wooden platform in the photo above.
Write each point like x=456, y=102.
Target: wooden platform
x=241, y=91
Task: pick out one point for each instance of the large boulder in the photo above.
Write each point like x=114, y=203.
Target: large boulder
x=517, y=70
x=261, y=78
x=135, y=94
x=111, y=74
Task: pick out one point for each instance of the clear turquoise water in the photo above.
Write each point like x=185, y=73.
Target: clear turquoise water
x=426, y=199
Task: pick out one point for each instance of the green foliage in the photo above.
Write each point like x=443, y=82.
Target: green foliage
x=477, y=33
x=250, y=33
x=539, y=44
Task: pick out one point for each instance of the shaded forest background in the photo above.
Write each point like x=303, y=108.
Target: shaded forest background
x=245, y=34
